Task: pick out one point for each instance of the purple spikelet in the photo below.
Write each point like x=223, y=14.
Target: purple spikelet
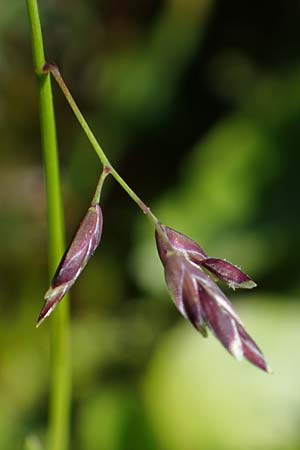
x=199, y=299
x=76, y=257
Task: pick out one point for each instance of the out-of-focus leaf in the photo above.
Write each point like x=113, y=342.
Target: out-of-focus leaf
x=140, y=82
x=198, y=397
x=113, y=420
x=32, y=443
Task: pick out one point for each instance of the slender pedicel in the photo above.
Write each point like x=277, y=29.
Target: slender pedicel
x=97, y=195
x=53, y=69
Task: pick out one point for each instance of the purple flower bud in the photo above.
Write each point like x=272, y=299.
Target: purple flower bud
x=179, y=242
x=199, y=299
x=228, y=273
x=76, y=257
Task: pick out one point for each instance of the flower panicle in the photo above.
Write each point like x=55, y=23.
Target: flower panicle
x=76, y=257
x=190, y=276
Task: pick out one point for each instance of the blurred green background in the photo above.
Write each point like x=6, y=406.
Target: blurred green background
x=197, y=103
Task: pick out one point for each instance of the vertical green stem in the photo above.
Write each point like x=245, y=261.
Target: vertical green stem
x=60, y=395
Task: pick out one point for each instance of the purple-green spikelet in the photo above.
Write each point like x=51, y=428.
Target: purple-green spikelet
x=76, y=257
x=199, y=299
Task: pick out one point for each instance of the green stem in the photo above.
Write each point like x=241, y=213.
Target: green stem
x=60, y=395
x=52, y=68
x=105, y=172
